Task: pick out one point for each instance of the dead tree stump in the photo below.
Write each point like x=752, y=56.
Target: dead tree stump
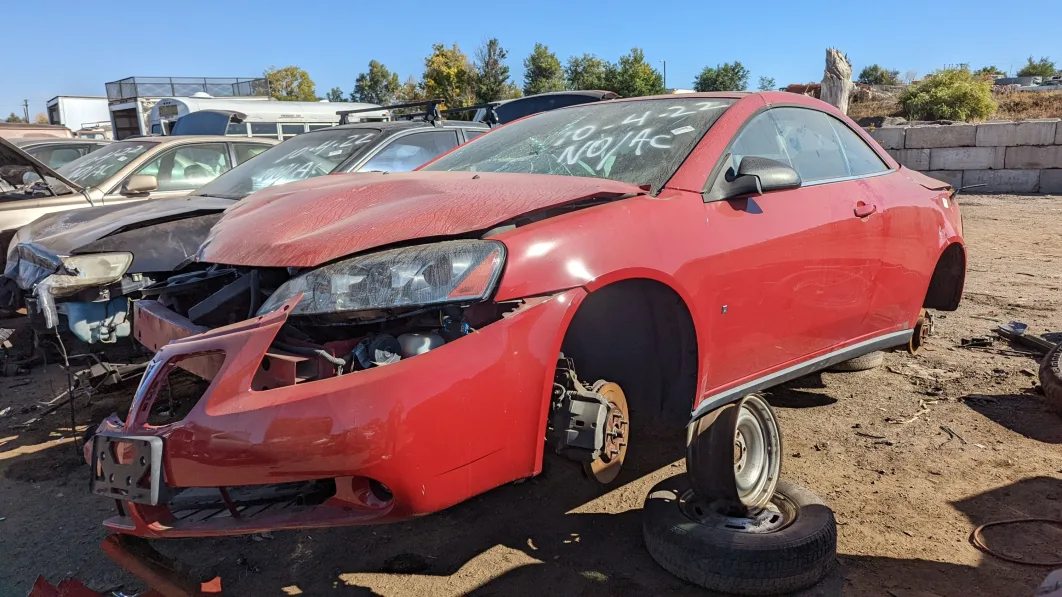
x=837, y=83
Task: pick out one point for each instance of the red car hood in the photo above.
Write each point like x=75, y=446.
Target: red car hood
x=307, y=223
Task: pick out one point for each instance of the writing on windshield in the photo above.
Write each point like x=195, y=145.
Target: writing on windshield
x=640, y=141
x=305, y=156
x=93, y=169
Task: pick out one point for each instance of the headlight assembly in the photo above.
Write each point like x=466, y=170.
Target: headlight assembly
x=96, y=269
x=438, y=273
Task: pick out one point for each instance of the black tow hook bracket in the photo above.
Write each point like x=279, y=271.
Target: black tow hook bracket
x=577, y=416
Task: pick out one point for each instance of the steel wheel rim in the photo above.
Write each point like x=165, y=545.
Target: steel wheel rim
x=777, y=514
x=757, y=455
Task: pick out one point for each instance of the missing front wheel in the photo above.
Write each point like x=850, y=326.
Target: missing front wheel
x=589, y=425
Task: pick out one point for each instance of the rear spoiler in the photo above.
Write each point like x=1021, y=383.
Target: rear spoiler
x=430, y=113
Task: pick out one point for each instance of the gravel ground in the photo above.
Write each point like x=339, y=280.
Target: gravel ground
x=911, y=456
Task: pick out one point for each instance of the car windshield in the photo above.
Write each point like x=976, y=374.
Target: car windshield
x=92, y=169
x=305, y=156
x=640, y=142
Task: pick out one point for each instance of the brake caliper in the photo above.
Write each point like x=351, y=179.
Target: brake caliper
x=578, y=415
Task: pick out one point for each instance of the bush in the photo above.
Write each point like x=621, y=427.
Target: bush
x=949, y=94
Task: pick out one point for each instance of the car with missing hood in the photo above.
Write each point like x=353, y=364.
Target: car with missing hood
x=122, y=172
x=82, y=266
x=30, y=188
x=377, y=347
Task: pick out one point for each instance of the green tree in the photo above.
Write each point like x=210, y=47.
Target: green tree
x=767, y=84
x=632, y=76
x=291, y=84
x=729, y=76
x=14, y=118
x=410, y=91
x=586, y=72
x=336, y=95
x=876, y=75
x=449, y=76
x=542, y=71
x=949, y=94
x=989, y=72
x=1043, y=67
x=492, y=74
x=378, y=86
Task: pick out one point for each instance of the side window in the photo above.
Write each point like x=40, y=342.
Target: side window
x=861, y=158
x=409, y=151
x=472, y=134
x=812, y=144
x=64, y=155
x=290, y=130
x=264, y=129
x=188, y=168
x=760, y=138
x=246, y=151
x=236, y=129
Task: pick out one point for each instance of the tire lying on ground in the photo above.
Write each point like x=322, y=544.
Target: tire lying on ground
x=1051, y=378
x=767, y=556
x=861, y=363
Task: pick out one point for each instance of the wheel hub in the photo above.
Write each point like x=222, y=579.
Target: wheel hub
x=617, y=428
x=923, y=329
x=779, y=513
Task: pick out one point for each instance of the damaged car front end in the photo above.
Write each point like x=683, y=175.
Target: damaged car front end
x=82, y=266
x=381, y=346
x=363, y=390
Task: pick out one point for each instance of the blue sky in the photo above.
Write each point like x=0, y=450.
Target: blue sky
x=81, y=45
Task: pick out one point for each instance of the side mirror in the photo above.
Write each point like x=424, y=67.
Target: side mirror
x=140, y=183
x=30, y=177
x=757, y=175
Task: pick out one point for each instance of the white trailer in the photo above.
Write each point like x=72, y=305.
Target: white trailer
x=77, y=112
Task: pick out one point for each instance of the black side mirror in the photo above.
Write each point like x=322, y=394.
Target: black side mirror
x=757, y=175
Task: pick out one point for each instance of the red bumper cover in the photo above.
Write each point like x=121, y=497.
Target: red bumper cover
x=434, y=429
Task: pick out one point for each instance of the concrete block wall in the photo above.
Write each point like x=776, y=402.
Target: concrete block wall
x=1007, y=157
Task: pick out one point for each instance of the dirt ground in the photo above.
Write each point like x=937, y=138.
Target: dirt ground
x=906, y=492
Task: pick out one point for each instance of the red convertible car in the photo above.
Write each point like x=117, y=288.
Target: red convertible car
x=380, y=346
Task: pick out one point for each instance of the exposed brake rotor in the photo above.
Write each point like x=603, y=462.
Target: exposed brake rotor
x=617, y=431
x=923, y=329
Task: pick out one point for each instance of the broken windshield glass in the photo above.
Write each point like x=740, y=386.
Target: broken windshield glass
x=640, y=141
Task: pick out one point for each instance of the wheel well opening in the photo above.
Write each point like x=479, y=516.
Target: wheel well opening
x=945, y=287
x=639, y=334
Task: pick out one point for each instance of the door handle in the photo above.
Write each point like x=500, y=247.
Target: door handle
x=863, y=210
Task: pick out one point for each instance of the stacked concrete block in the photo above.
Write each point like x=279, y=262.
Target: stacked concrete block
x=1009, y=134
x=1051, y=182
x=952, y=135
x=1003, y=157
x=1002, y=181
x=890, y=137
x=965, y=158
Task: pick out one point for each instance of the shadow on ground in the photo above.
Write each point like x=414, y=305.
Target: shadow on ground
x=1024, y=413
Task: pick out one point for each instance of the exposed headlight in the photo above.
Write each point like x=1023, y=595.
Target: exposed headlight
x=96, y=269
x=445, y=272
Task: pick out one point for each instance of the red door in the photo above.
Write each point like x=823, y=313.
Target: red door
x=793, y=271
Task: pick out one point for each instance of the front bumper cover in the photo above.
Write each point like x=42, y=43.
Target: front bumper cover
x=435, y=429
